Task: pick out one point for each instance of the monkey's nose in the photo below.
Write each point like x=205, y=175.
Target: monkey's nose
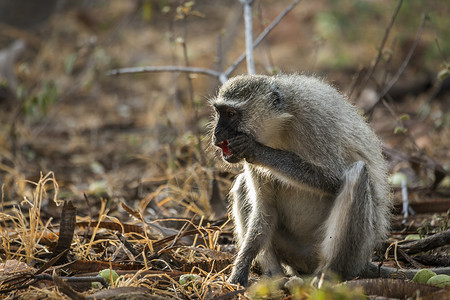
x=219, y=136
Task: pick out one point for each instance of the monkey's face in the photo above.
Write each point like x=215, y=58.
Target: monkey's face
x=251, y=105
x=227, y=122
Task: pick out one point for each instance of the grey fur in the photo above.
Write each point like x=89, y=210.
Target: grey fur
x=313, y=195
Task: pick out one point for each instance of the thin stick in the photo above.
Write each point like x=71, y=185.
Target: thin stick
x=263, y=34
x=403, y=66
x=406, y=61
x=429, y=243
x=249, y=36
x=137, y=70
x=380, y=50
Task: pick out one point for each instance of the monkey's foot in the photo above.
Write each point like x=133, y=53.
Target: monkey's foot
x=237, y=277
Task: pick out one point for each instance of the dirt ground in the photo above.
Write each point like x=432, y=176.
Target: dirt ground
x=141, y=139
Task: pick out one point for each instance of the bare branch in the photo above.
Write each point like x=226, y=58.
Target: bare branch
x=262, y=36
x=136, y=70
x=249, y=36
x=380, y=49
x=429, y=243
x=406, y=61
x=403, y=66
x=221, y=76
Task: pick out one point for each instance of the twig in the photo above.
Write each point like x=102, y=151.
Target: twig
x=51, y=262
x=403, y=66
x=36, y=278
x=380, y=49
x=175, y=240
x=429, y=243
x=249, y=35
x=388, y=63
x=66, y=289
x=356, y=80
x=137, y=70
x=183, y=234
x=410, y=259
x=443, y=57
x=406, y=61
x=90, y=215
x=127, y=245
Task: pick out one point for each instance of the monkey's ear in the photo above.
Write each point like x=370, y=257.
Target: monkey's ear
x=277, y=96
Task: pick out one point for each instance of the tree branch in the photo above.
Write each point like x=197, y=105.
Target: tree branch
x=221, y=76
x=137, y=70
x=403, y=66
x=406, y=61
x=380, y=49
x=262, y=36
x=429, y=243
x=249, y=36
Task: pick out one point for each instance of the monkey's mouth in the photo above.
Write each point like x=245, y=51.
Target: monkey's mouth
x=225, y=150
x=227, y=154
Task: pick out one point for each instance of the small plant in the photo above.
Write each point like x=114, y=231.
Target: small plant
x=444, y=72
x=39, y=103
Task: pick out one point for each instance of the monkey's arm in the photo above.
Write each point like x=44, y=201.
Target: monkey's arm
x=286, y=164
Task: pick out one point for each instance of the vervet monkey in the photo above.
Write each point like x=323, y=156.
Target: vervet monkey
x=313, y=196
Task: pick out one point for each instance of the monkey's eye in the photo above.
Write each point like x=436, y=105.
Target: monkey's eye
x=231, y=113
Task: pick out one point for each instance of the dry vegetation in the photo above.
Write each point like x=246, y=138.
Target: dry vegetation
x=128, y=157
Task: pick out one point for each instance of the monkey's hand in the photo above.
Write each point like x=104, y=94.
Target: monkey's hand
x=244, y=147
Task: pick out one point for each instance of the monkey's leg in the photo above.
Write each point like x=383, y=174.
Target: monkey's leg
x=349, y=234
x=240, y=208
x=258, y=232
x=255, y=240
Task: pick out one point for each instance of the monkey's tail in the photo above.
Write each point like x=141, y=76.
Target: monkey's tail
x=349, y=240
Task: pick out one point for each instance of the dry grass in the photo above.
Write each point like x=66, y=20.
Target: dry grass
x=28, y=227
x=23, y=233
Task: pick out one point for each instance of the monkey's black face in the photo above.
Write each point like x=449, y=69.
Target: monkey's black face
x=226, y=128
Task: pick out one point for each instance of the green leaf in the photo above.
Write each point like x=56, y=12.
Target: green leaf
x=443, y=74
x=404, y=117
x=109, y=275
x=400, y=129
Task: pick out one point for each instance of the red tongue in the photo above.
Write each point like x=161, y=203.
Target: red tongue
x=224, y=146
